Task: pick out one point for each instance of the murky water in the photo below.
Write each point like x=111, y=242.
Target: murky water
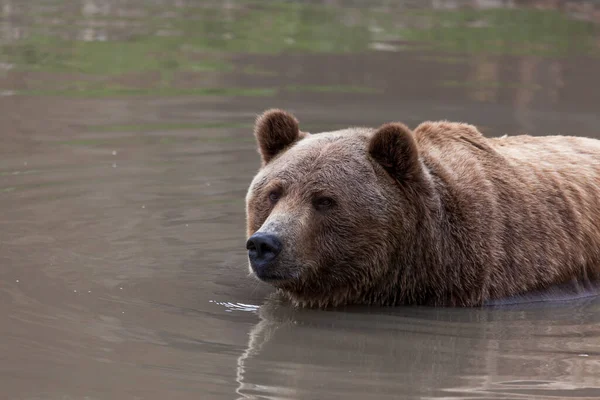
x=126, y=151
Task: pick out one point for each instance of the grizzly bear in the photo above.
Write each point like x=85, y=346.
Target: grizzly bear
x=438, y=216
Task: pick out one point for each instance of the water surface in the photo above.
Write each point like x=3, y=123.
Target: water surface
x=125, y=155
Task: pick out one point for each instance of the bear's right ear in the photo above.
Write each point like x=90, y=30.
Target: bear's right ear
x=275, y=130
x=394, y=148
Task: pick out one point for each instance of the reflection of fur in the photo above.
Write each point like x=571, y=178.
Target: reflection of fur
x=573, y=290
x=540, y=349
x=254, y=345
x=259, y=335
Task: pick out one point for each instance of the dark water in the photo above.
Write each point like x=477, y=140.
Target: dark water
x=126, y=151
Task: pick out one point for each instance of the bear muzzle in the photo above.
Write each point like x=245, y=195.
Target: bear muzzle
x=263, y=249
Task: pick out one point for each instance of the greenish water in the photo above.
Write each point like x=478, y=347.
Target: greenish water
x=199, y=38
x=126, y=149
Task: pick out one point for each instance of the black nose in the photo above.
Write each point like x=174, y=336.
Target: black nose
x=262, y=248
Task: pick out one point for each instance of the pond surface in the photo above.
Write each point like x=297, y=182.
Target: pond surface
x=126, y=150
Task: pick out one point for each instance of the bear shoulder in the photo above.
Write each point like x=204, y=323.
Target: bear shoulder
x=444, y=130
x=441, y=134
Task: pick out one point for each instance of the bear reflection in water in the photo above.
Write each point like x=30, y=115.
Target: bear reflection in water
x=533, y=349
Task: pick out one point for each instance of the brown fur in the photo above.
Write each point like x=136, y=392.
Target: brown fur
x=438, y=216
x=277, y=130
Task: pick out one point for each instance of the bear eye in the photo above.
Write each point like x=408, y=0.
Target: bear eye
x=274, y=196
x=323, y=203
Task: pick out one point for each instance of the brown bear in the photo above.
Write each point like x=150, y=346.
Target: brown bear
x=437, y=216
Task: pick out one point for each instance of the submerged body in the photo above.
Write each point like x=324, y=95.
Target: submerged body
x=438, y=216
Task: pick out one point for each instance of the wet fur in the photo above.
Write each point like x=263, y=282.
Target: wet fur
x=437, y=216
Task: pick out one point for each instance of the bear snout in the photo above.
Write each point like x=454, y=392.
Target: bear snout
x=263, y=249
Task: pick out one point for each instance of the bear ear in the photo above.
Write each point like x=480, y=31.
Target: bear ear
x=275, y=130
x=395, y=149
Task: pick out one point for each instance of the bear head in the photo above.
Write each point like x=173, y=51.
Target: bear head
x=331, y=216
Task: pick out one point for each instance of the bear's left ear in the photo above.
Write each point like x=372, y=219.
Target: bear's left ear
x=394, y=148
x=275, y=130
